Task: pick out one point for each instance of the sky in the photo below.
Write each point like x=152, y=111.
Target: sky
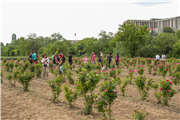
x=85, y=18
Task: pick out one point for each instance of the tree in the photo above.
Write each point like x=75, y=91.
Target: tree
x=13, y=36
x=164, y=42
x=178, y=34
x=131, y=36
x=168, y=30
x=176, y=51
x=57, y=37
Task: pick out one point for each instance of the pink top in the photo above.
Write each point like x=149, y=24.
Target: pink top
x=93, y=58
x=85, y=60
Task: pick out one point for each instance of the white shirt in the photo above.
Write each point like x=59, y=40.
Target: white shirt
x=163, y=57
x=157, y=57
x=47, y=63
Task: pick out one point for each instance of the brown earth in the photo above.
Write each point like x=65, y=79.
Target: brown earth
x=37, y=104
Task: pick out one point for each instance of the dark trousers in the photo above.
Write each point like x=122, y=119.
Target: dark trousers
x=70, y=65
x=117, y=63
x=109, y=63
x=54, y=61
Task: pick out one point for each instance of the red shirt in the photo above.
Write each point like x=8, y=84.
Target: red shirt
x=93, y=58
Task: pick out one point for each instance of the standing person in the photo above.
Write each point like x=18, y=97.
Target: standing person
x=54, y=58
x=85, y=59
x=70, y=59
x=93, y=58
x=163, y=57
x=157, y=58
x=101, y=58
x=45, y=63
x=35, y=57
x=117, y=59
x=60, y=63
x=30, y=58
x=109, y=58
x=64, y=59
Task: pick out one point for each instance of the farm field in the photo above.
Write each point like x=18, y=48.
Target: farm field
x=37, y=103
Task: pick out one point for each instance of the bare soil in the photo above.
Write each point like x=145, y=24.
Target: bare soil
x=37, y=104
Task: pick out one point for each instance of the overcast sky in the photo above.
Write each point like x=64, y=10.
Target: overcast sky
x=86, y=19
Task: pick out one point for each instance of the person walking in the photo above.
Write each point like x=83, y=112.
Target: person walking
x=93, y=58
x=70, y=60
x=101, y=58
x=54, y=58
x=60, y=63
x=157, y=58
x=117, y=59
x=109, y=58
x=35, y=57
x=45, y=63
x=30, y=58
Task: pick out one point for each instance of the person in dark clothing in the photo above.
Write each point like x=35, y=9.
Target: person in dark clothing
x=30, y=58
x=70, y=61
x=117, y=59
x=109, y=59
x=99, y=57
x=54, y=58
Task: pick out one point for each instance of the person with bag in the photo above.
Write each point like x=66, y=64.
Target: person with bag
x=45, y=63
x=93, y=58
x=109, y=59
x=35, y=57
x=30, y=58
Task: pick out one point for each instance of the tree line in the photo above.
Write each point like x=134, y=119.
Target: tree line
x=129, y=41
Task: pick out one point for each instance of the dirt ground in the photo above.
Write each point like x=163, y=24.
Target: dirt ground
x=37, y=104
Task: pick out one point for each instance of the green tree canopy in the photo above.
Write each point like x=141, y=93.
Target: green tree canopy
x=168, y=30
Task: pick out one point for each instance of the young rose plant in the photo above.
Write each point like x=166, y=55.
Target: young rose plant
x=139, y=115
x=166, y=90
x=130, y=73
x=104, y=102
x=141, y=70
x=123, y=86
x=86, y=83
x=142, y=86
x=56, y=85
x=11, y=65
x=69, y=77
x=16, y=74
x=112, y=72
x=70, y=95
x=1, y=76
x=38, y=70
x=25, y=80
x=9, y=77
x=18, y=59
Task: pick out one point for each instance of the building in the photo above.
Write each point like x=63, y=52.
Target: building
x=159, y=24
x=74, y=41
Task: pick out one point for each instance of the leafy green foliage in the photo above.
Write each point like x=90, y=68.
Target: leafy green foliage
x=139, y=115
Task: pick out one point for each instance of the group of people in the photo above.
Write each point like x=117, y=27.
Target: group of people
x=59, y=60
x=163, y=57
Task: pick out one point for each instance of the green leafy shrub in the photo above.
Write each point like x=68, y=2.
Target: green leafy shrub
x=86, y=83
x=70, y=95
x=1, y=76
x=56, y=85
x=123, y=86
x=106, y=98
x=9, y=77
x=25, y=80
x=139, y=115
x=142, y=87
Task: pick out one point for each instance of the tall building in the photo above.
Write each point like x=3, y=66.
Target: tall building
x=159, y=24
